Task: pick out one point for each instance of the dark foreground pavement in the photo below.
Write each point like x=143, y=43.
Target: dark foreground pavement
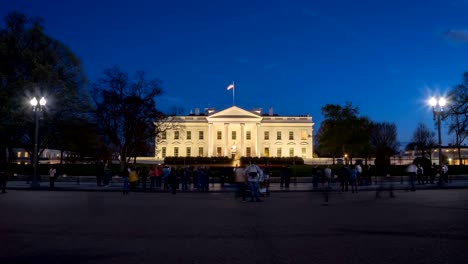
x=427, y=226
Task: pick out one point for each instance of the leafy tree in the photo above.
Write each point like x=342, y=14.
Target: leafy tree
x=457, y=112
x=34, y=64
x=423, y=141
x=126, y=112
x=342, y=131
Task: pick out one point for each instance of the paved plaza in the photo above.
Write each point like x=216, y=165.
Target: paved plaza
x=426, y=226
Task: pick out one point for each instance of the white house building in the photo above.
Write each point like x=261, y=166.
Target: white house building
x=235, y=132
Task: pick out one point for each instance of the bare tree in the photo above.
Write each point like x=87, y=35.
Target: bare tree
x=457, y=113
x=126, y=112
x=423, y=140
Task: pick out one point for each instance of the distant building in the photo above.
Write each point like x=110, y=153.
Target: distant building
x=235, y=132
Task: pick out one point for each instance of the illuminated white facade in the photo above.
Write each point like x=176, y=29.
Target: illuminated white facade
x=235, y=132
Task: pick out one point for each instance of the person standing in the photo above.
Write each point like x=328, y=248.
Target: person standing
x=445, y=173
x=252, y=172
x=344, y=178
x=433, y=173
x=52, y=177
x=144, y=177
x=411, y=170
x=125, y=174
x=353, y=176
x=133, y=178
x=239, y=178
x=173, y=180
x=3, y=179
x=184, y=177
x=328, y=174
x=359, y=176
x=287, y=176
x=420, y=174
x=152, y=176
x=107, y=175
x=99, y=172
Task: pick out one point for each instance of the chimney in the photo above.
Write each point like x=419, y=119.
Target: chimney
x=270, y=111
x=197, y=111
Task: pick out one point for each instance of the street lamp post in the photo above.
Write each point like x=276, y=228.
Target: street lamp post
x=36, y=109
x=437, y=110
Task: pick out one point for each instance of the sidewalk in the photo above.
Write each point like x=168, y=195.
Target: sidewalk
x=216, y=187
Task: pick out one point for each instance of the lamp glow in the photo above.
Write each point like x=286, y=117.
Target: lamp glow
x=34, y=101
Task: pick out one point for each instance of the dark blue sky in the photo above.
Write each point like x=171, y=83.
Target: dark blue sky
x=386, y=57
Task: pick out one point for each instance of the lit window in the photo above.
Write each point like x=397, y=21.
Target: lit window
x=200, y=151
x=26, y=154
x=248, y=135
x=304, y=135
x=19, y=154
x=267, y=152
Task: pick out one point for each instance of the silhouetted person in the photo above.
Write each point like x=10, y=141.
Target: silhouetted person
x=3, y=178
x=144, y=177
x=99, y=172
x=420, y=174
x=287, y=176
x=344, y=178
x=434, y=169
x=173, y=180
x=412, y=170
x=52, y=177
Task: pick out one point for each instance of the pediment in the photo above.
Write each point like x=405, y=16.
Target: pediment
x=234, y=112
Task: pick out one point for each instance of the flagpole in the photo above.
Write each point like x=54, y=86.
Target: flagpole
x=233, y=88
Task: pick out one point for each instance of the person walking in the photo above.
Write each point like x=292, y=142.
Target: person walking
x=52, y=177
x=412, y=170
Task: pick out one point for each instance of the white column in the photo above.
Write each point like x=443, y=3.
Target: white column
x=210, y=139
x=256, y=139
x=226, y=144
x=242, y=146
